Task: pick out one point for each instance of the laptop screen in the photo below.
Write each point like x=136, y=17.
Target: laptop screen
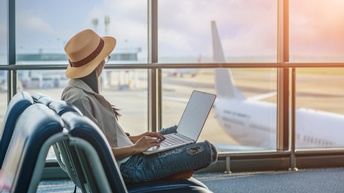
x=195, y=114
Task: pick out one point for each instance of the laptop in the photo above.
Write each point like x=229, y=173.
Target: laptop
x=190, y=124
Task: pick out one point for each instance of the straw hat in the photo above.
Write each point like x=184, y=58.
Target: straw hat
x=85, y=51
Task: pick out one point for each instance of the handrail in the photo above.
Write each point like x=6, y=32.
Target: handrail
x=183, y=65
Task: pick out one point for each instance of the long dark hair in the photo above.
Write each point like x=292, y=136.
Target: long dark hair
x=92, y=81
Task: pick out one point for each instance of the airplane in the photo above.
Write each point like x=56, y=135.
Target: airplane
x=253, y=122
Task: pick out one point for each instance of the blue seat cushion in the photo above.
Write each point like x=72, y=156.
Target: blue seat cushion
x=61, y=107
x=34, y=127
x=190, y=185
x=17, y=105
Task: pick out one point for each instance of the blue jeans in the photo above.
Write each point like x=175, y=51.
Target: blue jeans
x=139, y=168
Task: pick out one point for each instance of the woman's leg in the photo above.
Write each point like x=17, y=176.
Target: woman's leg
x=161, y=165
x=168, y=130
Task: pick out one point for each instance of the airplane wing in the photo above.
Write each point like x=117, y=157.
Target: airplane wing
x=176, y=99
x=253, y=98
x=262, y=96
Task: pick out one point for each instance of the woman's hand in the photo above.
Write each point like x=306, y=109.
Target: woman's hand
x=140, y=145
x=156, y=135
x=144, y=143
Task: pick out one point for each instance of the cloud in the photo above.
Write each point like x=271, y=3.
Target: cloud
x=128, y=21
x=35, y=23
x=246, y=27
x=35, y=32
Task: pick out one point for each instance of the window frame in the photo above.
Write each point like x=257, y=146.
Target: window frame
x=285, y=85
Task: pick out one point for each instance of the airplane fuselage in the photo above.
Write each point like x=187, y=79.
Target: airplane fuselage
x=253, y=123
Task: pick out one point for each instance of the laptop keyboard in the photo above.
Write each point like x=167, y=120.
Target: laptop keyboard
x=171, y=140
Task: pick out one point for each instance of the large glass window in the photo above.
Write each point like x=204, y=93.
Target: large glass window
x=3, y=94
x=42, y=81
x=244, y=119
x=320, y=107
x=3, y=32
x=3, y=57
x=247, y=34
x=126, y=89
x=247, y=29
x=316, y=35
x=43, y=28
x=244, y=116
x=316, y=31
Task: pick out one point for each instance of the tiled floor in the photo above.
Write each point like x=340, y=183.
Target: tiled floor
x=328, y=180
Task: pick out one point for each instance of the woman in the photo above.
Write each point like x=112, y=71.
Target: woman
x=87, y=53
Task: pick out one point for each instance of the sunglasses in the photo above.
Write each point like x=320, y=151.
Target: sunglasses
x=107, y=58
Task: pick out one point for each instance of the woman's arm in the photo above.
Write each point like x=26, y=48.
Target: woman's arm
x=141, y=145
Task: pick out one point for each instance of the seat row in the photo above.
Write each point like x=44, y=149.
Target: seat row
x=34, y=123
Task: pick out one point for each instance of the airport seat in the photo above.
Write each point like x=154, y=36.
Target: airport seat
x=61, y=107
x=17, y=105
x=62, y=153
x=36, y=130
x=99, y=167
x=65, y=156
x=42, y=98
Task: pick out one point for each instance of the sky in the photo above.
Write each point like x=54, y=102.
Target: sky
x=246, y=27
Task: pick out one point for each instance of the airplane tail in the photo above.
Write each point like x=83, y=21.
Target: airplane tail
x=224, y=83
